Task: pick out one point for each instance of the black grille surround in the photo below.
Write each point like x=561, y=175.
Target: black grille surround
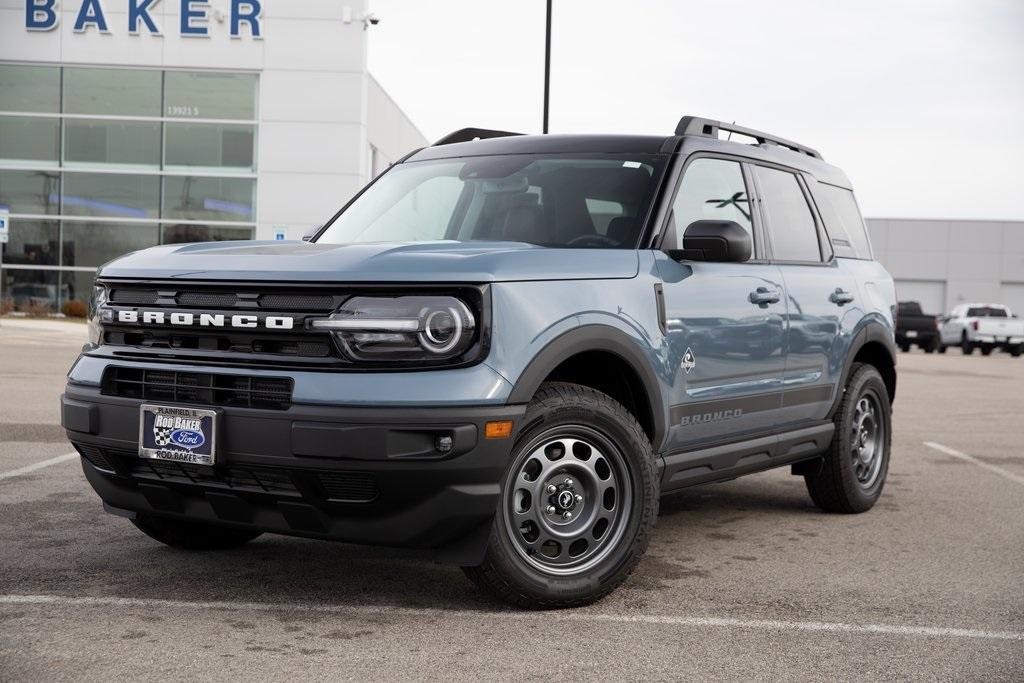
x=264, y=346
x=240, y=391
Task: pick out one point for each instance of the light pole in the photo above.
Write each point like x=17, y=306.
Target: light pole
x=547, y=67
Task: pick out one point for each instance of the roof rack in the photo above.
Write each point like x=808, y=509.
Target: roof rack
x=470, y=134
x=694, y=125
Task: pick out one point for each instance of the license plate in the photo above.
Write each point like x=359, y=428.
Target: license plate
x=911, y=334
x=178, y=434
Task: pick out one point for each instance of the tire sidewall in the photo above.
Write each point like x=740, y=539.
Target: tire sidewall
x=541, y=423
x=866, y=381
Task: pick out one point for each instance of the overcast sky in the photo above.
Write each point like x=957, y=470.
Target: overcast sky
x=921, y=103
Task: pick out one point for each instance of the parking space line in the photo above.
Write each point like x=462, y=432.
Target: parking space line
x=37, y=466
x=565, y=616
x=1006, y=474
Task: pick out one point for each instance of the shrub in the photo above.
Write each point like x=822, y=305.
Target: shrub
x=75, y=308
x=37, y=309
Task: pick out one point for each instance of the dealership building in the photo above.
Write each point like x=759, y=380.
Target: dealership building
x=130, y=123
x=942, y=263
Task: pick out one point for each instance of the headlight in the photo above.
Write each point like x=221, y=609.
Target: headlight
x=402, y=328
x=96, y=301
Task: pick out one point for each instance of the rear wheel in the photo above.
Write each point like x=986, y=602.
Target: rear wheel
x=853, y=472
x=986, y=350
x=905, y=348
x=1015, y=350
x=930, y=346
x=966, y=346
x=578, y=502
x=192, y=535
x=942, y=347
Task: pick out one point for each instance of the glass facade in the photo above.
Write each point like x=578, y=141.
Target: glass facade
x=99, y=162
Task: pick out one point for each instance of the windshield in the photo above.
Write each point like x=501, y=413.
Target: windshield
x=986, y=312
x=550, y=200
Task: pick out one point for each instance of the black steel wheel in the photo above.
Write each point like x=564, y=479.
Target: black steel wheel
x=578, y=502
x=853, y=471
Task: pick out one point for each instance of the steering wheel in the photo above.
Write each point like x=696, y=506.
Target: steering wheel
x=594, y=240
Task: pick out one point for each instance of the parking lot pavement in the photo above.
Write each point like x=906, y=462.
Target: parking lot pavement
x=742, y=580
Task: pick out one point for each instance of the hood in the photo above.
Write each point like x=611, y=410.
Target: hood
x=379, y=262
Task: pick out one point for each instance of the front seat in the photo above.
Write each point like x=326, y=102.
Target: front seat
x=523, y=223
x=625, y=230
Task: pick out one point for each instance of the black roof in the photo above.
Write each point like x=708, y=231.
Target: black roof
x=547, y=144
x=691, y=134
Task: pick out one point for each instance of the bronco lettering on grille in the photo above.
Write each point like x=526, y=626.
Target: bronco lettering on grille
x=182, y=319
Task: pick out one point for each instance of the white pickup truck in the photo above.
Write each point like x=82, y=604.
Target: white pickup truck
x=982, y=326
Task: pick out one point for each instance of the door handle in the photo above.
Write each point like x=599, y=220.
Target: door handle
x=762, y=296
x=840, y=296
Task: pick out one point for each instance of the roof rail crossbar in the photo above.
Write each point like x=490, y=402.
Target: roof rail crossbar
x=694, y=125
x=470, y=134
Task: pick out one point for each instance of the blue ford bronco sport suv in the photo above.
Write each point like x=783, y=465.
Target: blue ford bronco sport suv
x=501, y=353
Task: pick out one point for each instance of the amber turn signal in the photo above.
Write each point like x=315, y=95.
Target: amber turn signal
x=498, y=430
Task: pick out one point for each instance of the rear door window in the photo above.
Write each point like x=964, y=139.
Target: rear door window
x=843, y=221
x=986, y=312
x=794, y=234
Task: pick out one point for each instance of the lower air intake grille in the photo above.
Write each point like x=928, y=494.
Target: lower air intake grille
x=241, y=391
x=265, y=480
x=96, y=456
x=337, y=487
x=349, y=487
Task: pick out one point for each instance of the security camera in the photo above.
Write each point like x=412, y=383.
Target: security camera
x=370, y=19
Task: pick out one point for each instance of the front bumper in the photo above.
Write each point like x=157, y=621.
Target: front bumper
x=357, y=474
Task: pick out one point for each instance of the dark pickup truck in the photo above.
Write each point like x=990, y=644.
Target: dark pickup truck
x=914, y=327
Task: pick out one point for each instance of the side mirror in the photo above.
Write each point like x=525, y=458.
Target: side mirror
x=312, y=233
x=715, y=241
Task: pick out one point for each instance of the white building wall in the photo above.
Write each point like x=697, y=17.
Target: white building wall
x=391, y=133
x=318, y=108
x=966, y=261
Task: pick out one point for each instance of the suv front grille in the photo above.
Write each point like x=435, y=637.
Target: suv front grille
x=240, y=391
x=225, y=298
x=257, y=345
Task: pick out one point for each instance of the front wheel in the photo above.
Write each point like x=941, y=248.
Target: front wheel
x=578, y=502
x=1016, y=349
x=853, y=471
x=986, y=350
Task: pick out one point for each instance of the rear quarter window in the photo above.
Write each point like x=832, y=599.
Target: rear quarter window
x=843, y=221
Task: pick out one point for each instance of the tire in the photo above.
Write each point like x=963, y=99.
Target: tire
x=847, y=482
x=942, y=348
x=905, y=348
x=931, y=346
x=1015, y=351
x=986, y=350
x=568, y=432
x=966, y=346
x=192, y=535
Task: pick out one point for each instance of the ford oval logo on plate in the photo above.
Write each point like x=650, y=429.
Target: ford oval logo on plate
x=178, y=434
x=188, y=438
